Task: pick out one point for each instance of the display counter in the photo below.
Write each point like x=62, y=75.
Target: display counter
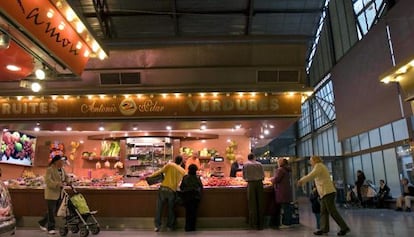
x=140, y=202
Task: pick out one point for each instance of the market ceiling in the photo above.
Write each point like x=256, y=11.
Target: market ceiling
x=146, y=26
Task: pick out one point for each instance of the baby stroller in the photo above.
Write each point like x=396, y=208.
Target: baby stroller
x=352, y=197
x=77, y=216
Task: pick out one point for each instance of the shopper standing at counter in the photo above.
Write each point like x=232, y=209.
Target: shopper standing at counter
x=326, y=191
x=236, y=167
x=253, y=173
x=191, y=187
x=283, y=193
x=173, y=174
x=55, y=179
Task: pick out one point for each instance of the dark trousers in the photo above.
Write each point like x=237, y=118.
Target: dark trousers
x=191, y=208
x=255, y=204
x=328, y=208
x=286, y=217
x=48, y=220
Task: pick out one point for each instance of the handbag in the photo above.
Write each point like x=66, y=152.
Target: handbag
x=155, y=179
x=63, y=206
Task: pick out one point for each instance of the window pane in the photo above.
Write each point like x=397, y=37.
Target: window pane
x=374, y=138
x=338, y=146
x=378, y=164
x=364, y=141
x=386, y=134
x=367, y=164
x=355, y=144
x=347, y=146
x=400, y=130
x=391, y=169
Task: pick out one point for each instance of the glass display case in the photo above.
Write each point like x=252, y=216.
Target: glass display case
x=145, y=155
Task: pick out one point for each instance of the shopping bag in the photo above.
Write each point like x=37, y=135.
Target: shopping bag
x=63, y=206
x=155, y=179
x=79, y=203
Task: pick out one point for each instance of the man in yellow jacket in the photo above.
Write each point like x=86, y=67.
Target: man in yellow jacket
x=326, y=191
x=173, y=174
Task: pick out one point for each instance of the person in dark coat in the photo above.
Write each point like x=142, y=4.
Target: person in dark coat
x=236, y=166
x=383, y=194
x=316, y=206
x=191, y=188
x=358, y=183
x=283, y=193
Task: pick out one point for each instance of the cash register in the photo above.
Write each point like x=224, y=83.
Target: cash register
x=216, y=165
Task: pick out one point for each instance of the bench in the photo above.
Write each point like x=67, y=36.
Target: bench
x=390, y=203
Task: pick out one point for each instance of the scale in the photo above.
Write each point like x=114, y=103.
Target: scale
x=216, y=166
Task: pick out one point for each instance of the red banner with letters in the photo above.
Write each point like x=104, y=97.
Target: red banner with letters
x=32, y=16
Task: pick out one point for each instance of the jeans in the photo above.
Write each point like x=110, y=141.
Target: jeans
x=165, y=195
x=48, y=219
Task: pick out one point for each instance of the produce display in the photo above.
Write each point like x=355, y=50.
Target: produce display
x=231, y=150
x=15, y=145
x=110, y=149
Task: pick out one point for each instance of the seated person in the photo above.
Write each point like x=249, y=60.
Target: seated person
x=406, y=197
x=383, y=194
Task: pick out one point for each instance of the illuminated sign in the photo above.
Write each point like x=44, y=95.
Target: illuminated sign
x=280, y=105
x=43, y=21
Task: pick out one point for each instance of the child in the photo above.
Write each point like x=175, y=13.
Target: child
x=316, y=206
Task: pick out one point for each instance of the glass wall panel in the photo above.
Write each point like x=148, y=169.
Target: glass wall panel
x=320, y=145
x=331, y=141
x=374, y=138
x=310, y=148
x=338, y=146
x=355, y=144
x=347, y=146
x=325, y=143
x=378, y=164
x=367, y=167
x=391, y=169
x=386, y=134
x=364, y=141
x=400, y=130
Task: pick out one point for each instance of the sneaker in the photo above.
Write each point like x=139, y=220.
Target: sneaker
x=408, y=209
x=42, y=228
x=399, y=209
x=285, y=226
x=157, y=229
x=319, y=232
x=343, y=232
x=51, y=232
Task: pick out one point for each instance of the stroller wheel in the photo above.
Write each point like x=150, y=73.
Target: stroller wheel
x=83, y=232
x=94, y=229
x=63, y=231
x=74, y=229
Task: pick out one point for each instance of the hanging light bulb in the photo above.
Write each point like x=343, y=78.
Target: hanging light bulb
x=40, y=74
x=36, y=87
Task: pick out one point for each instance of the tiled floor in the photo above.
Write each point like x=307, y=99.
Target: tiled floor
x=363, y=222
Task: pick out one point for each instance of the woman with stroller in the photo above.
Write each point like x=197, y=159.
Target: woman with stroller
x=55, y=179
